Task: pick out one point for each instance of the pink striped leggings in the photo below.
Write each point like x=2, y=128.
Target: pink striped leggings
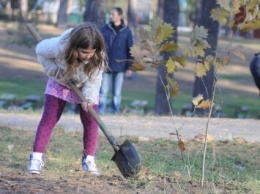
x=53, y=109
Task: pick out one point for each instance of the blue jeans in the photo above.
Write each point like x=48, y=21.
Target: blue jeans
x=117, y=83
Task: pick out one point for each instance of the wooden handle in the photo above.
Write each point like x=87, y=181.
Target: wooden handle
x=35, y=34
x=83, y=99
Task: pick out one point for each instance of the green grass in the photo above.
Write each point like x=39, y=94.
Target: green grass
x=232, y=166
x=229, y=105
x=21, y=87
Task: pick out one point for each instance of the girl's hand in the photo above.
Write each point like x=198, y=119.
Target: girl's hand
x=86, y=104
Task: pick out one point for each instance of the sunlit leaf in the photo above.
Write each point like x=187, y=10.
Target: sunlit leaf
x=218, y=65
x=200, y=50
x=189, y=50
x=149, y=46
x=164, y=32
x=148, y=60
x=181, y=60
x=136, y=52
x=171, y=66
x=255, y=12
x=174, y=88
x=250, y=26
x=210, y=58
x=224, y=4
x=200, y=70
x=204, y=104
x=143, y=33
x=226, y=60
x=154, y=25
x=237, y=51
x=169, y=47
x=241, y=26
x=199, y=33
x=251, y=5
x=137, y=67
x=196, y=100
x=231, y=23
x=207, y=65
x=257, y=23
x=219, y=14
x=236, y=4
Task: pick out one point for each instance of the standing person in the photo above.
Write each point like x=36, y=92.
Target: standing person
x=79, y=55
x=119, y=39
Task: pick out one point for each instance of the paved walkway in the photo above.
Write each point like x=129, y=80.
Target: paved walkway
x=148, y=126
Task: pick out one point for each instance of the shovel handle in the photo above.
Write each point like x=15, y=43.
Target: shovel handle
x=93, y=113
x=35, y=34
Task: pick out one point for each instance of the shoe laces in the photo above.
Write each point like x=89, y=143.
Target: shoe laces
x=37, y=162
x=91, y=164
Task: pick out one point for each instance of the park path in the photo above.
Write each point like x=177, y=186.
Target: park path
x=221, y=129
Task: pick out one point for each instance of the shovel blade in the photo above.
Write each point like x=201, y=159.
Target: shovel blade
x=127, y=159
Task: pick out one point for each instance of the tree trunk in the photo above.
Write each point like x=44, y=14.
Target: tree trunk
x=204, y=85
x=62, y=14
x=131, y=15
x=198, y=13
x=95, y=11
x=169, y=11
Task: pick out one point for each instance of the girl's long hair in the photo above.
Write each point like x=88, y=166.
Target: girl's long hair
x=85, y=36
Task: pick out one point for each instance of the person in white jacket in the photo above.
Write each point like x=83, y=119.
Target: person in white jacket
x=78, y=55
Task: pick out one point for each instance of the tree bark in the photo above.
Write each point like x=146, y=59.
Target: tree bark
x=131, y=15
x=169, y=11
x=205, y=84
x=62, y=14
x=95, y=12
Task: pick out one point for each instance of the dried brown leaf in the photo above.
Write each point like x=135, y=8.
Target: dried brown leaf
x=181, y=145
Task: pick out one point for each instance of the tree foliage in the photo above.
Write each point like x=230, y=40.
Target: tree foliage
x=245, y=14
x=155, y=40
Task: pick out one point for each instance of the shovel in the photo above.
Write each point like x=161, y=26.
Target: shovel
x=126, y=157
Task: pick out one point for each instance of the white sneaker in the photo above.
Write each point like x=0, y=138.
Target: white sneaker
x=89, y=165
x=35, y=163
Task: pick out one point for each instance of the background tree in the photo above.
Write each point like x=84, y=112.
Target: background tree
x=198, y=12
x=131, y=14
x=62, y=14
x=169, y=11
x=204, y=85
x=95, y=11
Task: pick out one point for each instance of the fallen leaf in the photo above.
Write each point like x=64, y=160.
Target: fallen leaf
x=181, y=145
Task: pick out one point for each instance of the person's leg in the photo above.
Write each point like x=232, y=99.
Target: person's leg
x=90, y=138
x=104, y=89
x=53, y=109
x=90, y=132
x=117, y=83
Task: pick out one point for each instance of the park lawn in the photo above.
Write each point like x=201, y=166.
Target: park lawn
x=229, y=105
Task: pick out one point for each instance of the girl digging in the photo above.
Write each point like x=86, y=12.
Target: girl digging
x=79, y=55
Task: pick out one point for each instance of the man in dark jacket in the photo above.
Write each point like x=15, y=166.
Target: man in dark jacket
x=255, y=70
x=118, y=38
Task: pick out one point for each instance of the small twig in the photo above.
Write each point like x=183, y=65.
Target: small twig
x=168, y=101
